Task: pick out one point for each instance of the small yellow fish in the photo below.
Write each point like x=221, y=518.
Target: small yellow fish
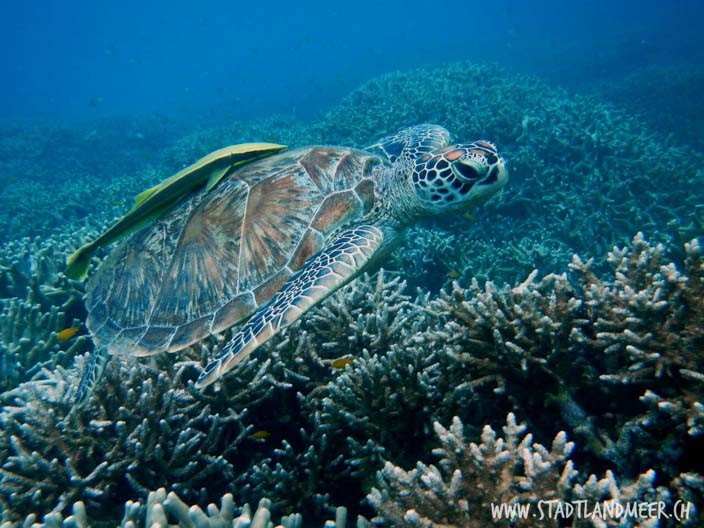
x=262, y=434
x=67, y=333
x=469, y=216
x=341, y=363
x=454, y=274
x=117, y=203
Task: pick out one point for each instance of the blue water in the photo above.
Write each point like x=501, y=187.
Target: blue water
x=218, y=61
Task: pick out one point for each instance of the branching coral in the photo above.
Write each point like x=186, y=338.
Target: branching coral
x=293, y=479
x=29, y=342
x=36, y=303
x=162, y=509
x=138, y=433
x=474, y=480
x=370, y=314
x=652, y=313
x=471, y=477
x=32, y=270
x=594, y=346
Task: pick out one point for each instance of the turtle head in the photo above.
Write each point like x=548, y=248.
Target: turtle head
x=458, y=177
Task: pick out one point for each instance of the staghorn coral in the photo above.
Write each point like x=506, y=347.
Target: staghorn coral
x=294, y=480
x=29, y=342
x=137, y=433
x=439, y=358
x=433, y=256
x=146, y=428
x=648, y=324
x=312, y=461
x=652, y=313
x=471, y=478
x=32, y=270
x=594, y=346
x=369, y=315
x=36, y=302
x=161, y=507
x=478, y=351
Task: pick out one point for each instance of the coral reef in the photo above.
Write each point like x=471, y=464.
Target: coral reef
x=29, y=341
x=56, y=177
x=594, y=169
x=138, y=433
x=160, y=507
x=586, y=340
x=665, y=97
x=147, y=427
x=474, y=318
x=37, y=302
x=473, y=480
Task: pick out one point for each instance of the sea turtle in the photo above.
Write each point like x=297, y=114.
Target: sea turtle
x=273, y=239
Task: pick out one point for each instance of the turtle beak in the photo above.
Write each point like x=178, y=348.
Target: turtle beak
x=497, y=175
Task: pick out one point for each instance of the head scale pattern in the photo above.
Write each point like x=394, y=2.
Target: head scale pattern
x=407, y=145
x=453, y=175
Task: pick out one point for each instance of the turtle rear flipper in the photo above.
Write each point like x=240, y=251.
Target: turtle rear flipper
x=342, y=260
x=92, y=372
x=151, y=203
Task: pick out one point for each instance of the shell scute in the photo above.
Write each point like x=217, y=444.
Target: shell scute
x=348, y=171
x=317, y=164
x=108, y=329
x=365, y=192
x=125, y=342
x=278, y=211
x=155, y=338
x=234, y=310
x=311, y=242
x=336, y=210
x=203, y=265
x=189, y=333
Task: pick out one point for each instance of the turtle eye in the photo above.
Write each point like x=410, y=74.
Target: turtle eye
x=466, y=171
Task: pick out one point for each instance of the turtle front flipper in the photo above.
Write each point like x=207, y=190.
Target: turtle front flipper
x=339, y=262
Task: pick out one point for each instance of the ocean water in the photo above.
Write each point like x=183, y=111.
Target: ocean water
x=572, y=299
x=222, y=61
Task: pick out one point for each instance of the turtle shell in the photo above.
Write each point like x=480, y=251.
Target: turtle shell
x=215, y=257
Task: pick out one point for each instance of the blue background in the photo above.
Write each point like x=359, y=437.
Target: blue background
x=221, y=60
